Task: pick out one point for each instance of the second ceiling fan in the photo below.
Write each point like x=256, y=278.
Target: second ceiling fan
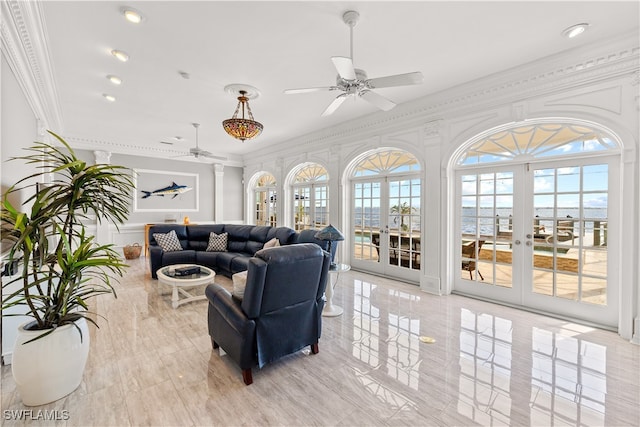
x=354, y=82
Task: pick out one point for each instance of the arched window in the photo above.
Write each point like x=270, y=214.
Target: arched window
x=311, y=197
x=387, y=162
x=536, y=141
x=265, y=200
x=536, y=210
x=386, y=211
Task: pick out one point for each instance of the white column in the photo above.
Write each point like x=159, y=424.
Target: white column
x=102, y=228
x=432, y=259
x=218, y=207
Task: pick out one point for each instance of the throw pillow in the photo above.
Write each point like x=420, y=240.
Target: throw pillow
x=168, y=242
x=239, y=284
x=271, y=243
x=217, y=242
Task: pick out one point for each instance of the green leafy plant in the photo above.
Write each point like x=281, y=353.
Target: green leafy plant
x=60, y=266
x=403, y=210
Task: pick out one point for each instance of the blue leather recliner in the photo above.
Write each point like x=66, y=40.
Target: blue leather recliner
x=281, y=311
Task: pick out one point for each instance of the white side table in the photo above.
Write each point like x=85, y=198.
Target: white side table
x=329, y=309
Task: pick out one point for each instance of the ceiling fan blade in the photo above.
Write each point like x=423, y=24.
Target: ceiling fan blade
x=378, y=100
x=345, y=67
x=414, y=78
x=334, y=105
x=310, y=89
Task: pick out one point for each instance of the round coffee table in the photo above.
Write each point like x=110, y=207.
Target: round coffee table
x=167, y=276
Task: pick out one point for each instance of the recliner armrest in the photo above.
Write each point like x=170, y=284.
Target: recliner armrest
x=228, y=308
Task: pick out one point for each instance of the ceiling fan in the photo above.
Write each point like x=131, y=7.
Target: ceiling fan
x=198, y=152
x=354, y=82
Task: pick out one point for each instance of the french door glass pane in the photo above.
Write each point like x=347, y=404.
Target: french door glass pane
x=321, y=211
x=366, y=221
x=570, y=233
x=486, y=225
x=404, y=223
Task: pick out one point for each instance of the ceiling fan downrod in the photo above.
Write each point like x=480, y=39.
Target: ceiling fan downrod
x=350, y=18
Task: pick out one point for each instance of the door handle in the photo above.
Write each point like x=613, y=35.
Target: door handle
x=529, y=236
x=517, y=242
x=528, y=243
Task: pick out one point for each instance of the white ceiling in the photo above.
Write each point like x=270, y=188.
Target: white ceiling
x=278, y=45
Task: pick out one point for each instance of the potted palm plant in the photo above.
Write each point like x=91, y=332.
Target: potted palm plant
x=59, y=266
x=403, y=210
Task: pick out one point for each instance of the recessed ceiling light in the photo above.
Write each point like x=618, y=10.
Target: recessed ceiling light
x=122, y=56
x=114, y=79
x=108, y=97
x=575, y=30
x=132, y=15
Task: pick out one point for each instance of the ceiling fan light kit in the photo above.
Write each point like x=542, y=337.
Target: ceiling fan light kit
x=354, y=81
x=242, y=128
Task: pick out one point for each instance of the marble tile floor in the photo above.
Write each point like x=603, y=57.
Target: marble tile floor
x=151, y=365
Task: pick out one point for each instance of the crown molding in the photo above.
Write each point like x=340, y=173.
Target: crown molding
x=92, y=144
x=24, y=44
x=596, y=62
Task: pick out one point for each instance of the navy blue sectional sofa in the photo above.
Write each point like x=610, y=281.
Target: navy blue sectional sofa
x=243, y=242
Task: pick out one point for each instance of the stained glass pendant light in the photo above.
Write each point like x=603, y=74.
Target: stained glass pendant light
x=242, y=128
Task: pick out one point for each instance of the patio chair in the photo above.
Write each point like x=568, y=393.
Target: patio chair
x=469, y=257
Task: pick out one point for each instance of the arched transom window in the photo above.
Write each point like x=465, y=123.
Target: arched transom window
x=311, y=197
x=387, y=162
x=541, y=140
x=265, y=200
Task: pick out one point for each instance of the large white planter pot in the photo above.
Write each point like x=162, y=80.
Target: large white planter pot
x=51, y=367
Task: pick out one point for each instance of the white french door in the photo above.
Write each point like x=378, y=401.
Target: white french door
x=386, y=226
x=537, y=235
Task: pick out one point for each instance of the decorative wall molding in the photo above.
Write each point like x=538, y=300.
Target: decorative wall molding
x=519, y=111
x=138, y=150
x=433, y=128
x=607, y=99
x=22, y=30
x=103, y=157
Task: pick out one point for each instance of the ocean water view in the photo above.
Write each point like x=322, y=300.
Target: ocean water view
x=592, y=218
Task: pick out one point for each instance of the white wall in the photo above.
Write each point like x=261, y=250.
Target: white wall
x=18, y=129
x=233, y=195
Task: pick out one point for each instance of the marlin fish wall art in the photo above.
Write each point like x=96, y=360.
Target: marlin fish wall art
x=174, y=189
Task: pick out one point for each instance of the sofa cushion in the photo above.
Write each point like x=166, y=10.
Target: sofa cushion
x=308, y=236
x=208, y=259
x=238, y=237
x=199, y=235
x=240, y=263
x=223, y=260
x=186, y=256
x=168, y=241
x=285, y=235
x=217, y=242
